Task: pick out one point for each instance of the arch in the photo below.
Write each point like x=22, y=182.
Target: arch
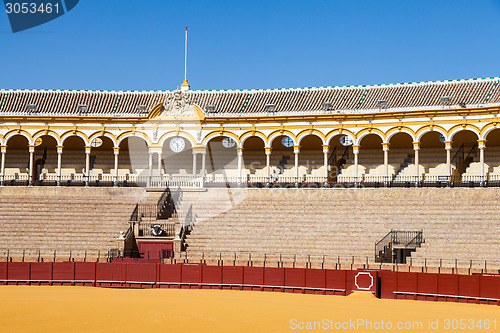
x=306, y=133
x=330, y=135
x=105, y=134
x=250, y=134
x=395, y=130
x=276, y=134
x=13, y=133
x=231, y=135
x=53, y=134
x=75, y=133
x=487, y=129
x=2, y=140
x=426, y=129
x=136, y=134
x=367, y=131
x=459, y=128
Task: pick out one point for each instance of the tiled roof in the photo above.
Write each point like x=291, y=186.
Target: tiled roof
x=346, y=99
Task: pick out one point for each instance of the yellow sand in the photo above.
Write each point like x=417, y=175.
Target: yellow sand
x=87, y=309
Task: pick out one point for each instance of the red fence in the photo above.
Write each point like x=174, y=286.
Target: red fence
x=480, y=288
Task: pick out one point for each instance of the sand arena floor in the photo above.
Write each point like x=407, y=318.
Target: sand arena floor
x=87, y=309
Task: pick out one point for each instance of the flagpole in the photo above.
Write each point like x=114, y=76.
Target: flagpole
x=185, y=55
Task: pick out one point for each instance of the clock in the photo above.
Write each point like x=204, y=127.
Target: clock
x=177, y=144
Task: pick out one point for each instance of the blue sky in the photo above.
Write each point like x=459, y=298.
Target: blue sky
x=139, y=45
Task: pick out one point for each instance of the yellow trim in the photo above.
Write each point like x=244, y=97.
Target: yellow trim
x=220, y=133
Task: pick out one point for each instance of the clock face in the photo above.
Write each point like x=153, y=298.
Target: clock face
x=177, y=144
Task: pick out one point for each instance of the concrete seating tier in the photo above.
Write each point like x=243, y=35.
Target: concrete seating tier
x=457, y=223
x=66, y=219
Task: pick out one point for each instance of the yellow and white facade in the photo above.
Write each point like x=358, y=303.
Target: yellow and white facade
x=404, y=132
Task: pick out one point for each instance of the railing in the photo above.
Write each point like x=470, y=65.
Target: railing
x=156, y=229
x=333, y=157
x=408, y=239
x=363, y=180
x=459, y=156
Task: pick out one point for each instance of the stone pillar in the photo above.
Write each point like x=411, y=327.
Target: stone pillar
x=116, y=151
x=194, y=163
x=416, y=148
x=385, y=148
x=355, y=151
x=239, y=152
x=150, y=166
x=326, y=150
x=448, y=146
x=2, y=167
x=203, y=166
x=159, y=163
x=32, y=152
x=268, y=162
x=481, y=144
x=87, y=163
x=59, y=164
x=296, y=151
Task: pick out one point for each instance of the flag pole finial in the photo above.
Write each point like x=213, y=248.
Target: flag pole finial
x=185, y=84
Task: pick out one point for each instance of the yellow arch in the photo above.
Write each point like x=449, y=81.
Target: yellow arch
x=13, y=133
x=207, y=138
x=245, y=136
x=278, y=133
x=106, y=134
x=367, y=131
x=307, y=132
x=400, y=129
x=168, y=134
x=487, y=129
x=77, y=133
x=329, y=136
x=132, y=134
x=430, y=128
x=49, y=133
x=458, y=128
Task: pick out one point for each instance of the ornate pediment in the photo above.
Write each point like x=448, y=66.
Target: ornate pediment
x=178, y=104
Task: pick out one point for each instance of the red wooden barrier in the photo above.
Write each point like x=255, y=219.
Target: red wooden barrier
x=274, y=279
x=170, y=275
x=85, y=273
x=315, y=281
x=141, y=275
x=63, y=273
x=295, y=280
x=18, y=272
x=253, y=278
x=212, y=276
x=478, y=288
x=3, y=273
x=232, y=277
x=41, y=273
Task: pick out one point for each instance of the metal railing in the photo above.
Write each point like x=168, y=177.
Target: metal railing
x=156, y=229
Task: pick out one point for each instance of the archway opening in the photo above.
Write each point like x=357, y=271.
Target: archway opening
x=401, y=156
x=222, y=159
x=371, y=158
x=102, y=161
x=73, y=157
x=339, y=152
x=465, y=153
x=254, y=158
x=432, y=155
x=17, y=158
x=177, y=157
x=133, y=157
x=282, y=157
x=45, y=158
x=492, y=155
x=311, y=162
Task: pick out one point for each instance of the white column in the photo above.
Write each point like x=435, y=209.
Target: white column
x=159, y=163
x=296, y=151
x=2, y=167
x=87, y=163
x=385, y=148
x=268, y=162
x=355, y=151
x=448, y=146
x=239, y=152
x=59, y=164
x=203, y=161
x=32, y=152
x=481, y=144
x=326, y=149
x=116, y=151
x=416, y=148
x=194, y=163
x=150, y=166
